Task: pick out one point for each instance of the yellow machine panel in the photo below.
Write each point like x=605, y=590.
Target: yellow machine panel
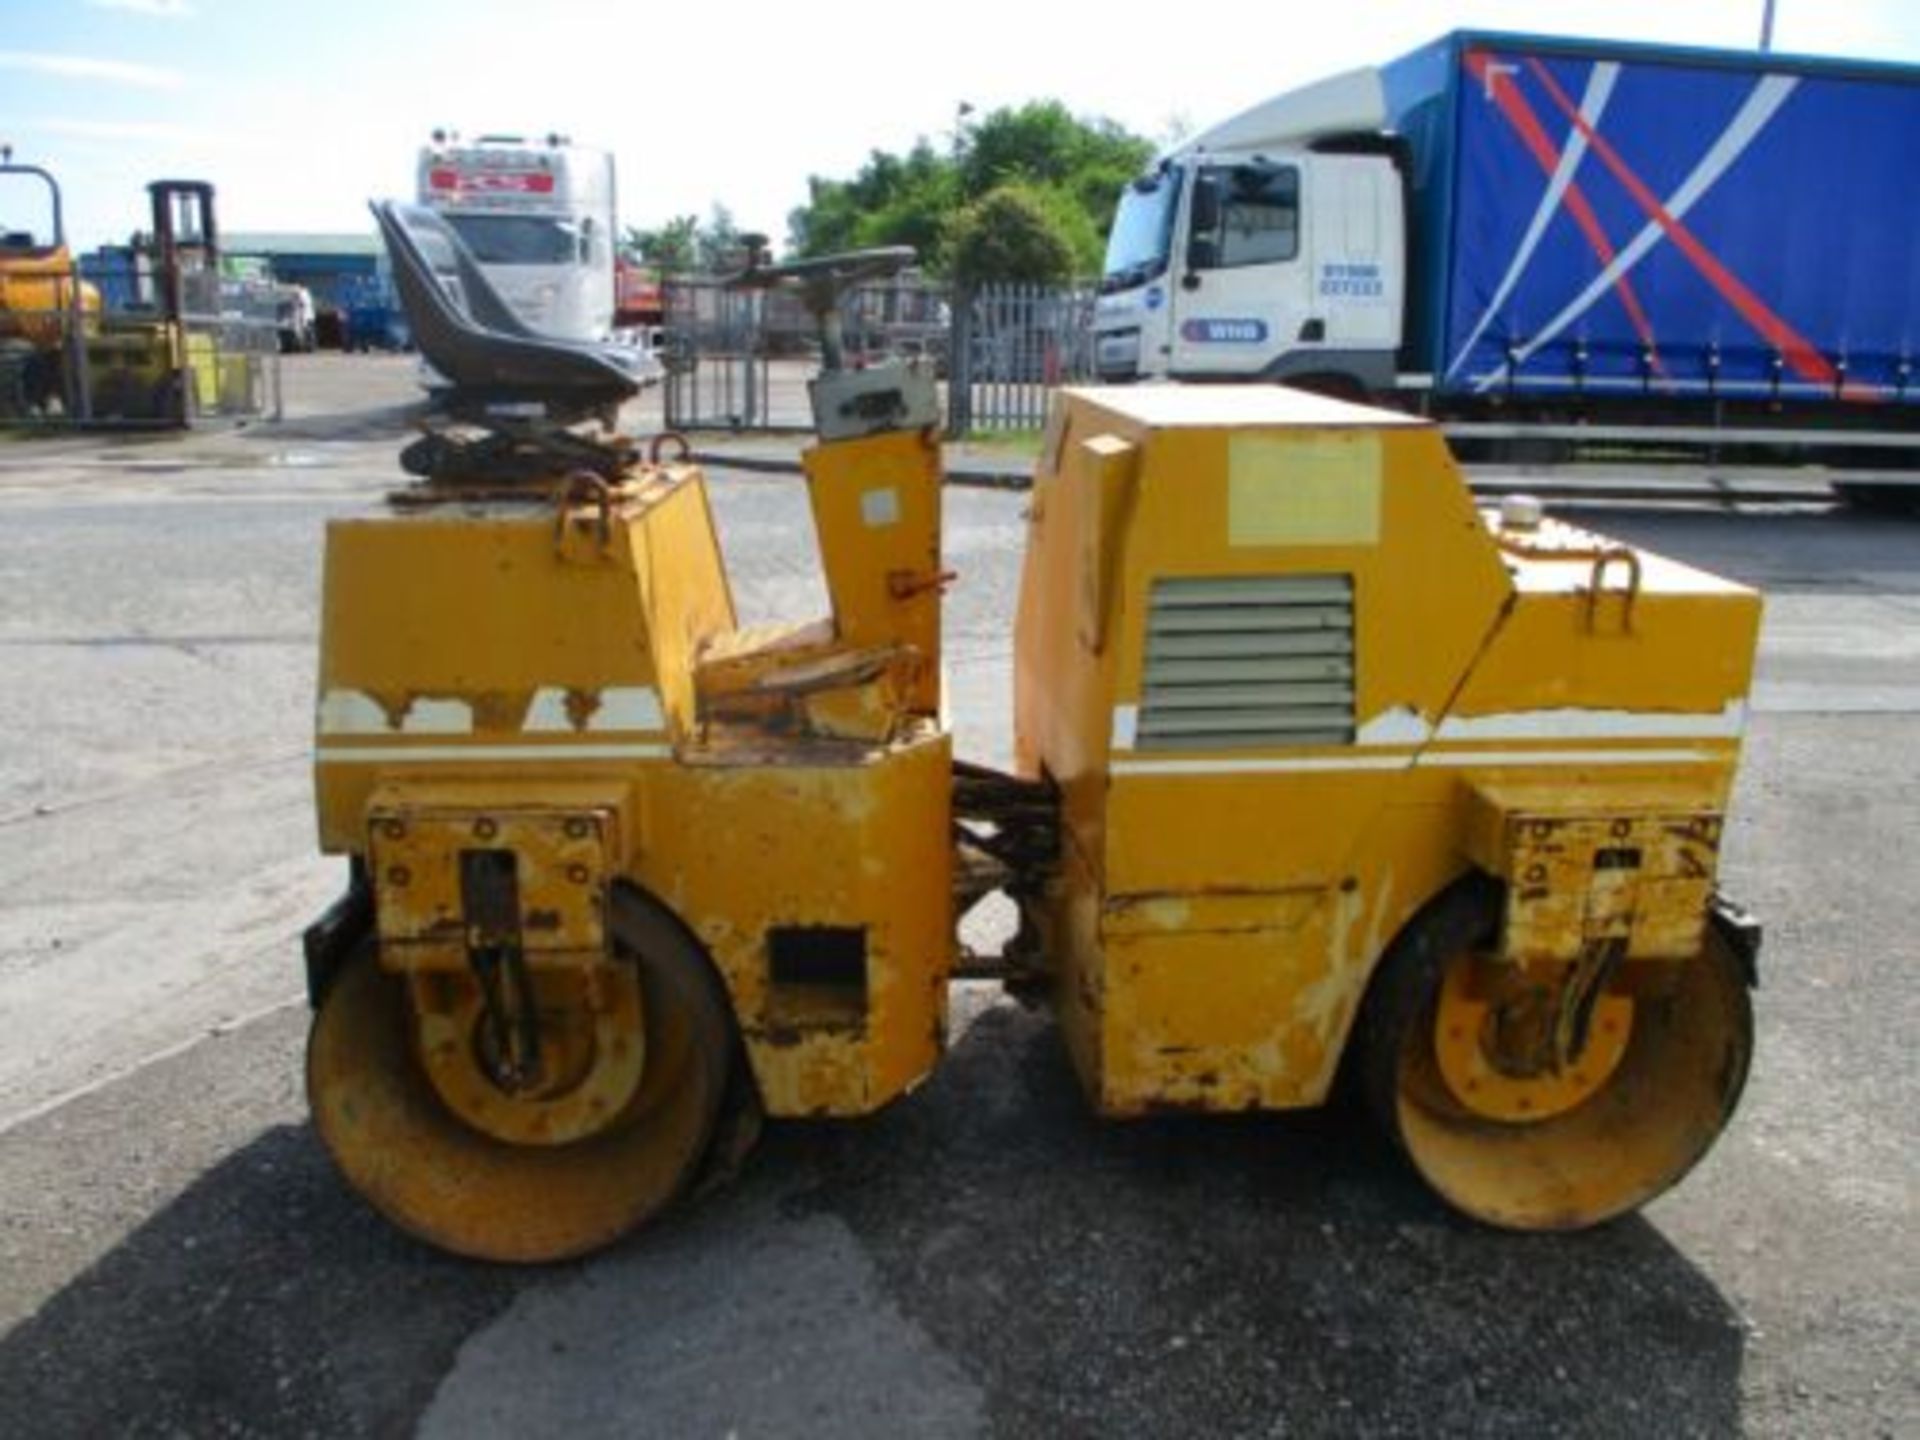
x=511, y=729
x=1293, y=685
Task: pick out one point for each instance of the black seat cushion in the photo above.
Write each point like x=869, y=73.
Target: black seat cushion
x=471, y=336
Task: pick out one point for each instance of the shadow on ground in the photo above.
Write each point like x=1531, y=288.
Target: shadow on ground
x=1195, y=1277
x=263, y=1300
x=1238, y=1276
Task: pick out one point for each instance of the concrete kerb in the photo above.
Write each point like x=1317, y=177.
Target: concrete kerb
x=764, y=460
x=761, y=457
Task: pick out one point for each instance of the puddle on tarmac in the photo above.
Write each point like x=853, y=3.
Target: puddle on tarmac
x=269, y=460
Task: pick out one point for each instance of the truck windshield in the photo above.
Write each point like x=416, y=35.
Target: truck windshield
x=520, y=239
x=1142, y=231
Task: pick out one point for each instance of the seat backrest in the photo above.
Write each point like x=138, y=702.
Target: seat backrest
x=469, y=333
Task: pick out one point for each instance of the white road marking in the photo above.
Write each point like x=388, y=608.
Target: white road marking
x=127, y=1072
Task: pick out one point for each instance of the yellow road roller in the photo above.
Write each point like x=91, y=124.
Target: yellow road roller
x=1320, y=769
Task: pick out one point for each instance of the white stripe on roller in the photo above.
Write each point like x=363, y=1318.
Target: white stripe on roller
x=437, y=717
x=627, y=707
x=1569, y=724
x=1263, y=766
x=349, y=712
x=1401, y=725
x=1448, y=758
x=1766, y=97
x=621, y=707
x=354, y=712
x=1621, y=756
x=443, y=754
x=547, y=712
x=1599, y=86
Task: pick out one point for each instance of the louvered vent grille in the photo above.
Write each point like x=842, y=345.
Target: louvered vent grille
x=1248, y=660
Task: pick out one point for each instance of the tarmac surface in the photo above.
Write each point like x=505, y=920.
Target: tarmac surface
x=178, y=1257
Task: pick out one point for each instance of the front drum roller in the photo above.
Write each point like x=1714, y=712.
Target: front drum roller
x=1564, y=1147
x=452, y=1184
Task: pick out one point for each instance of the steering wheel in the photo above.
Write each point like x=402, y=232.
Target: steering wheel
x=828, y=274
x=821, y=281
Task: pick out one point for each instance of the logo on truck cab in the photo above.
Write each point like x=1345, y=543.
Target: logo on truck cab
x=1361, y=281
x=1223, y=332
x=491, y=182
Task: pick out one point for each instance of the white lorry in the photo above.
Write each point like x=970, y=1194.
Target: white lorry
x=538, y=216
x=1553, y=241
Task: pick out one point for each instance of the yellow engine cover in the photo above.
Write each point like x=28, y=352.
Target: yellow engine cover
x=1271, y=653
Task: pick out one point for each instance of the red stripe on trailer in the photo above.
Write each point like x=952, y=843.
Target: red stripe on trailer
x=1533, y=135
x=1795, y=348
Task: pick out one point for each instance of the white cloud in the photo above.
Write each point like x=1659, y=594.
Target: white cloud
x=165, y=9
x=130, y=130
x=92, y=67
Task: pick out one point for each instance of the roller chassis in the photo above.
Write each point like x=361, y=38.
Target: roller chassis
x=625, y=875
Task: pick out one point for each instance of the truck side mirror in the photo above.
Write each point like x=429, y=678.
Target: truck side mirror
x=1204, y=213
x=1203, y=220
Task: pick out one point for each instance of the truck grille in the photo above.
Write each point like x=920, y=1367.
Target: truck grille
x=1243, y=661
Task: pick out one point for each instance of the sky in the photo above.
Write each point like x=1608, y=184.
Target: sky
x=300, y=111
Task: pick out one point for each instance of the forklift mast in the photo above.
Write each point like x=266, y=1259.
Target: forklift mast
x=186, y=247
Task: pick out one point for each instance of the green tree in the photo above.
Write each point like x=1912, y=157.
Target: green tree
x=687, y=243
x=672, y=246
x=1072, y=170
x=1012, y=233
x=1043, y=143
x=893, y=200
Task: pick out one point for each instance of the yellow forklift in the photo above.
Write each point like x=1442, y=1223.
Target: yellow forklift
x=161, y=361
x=1320, y=768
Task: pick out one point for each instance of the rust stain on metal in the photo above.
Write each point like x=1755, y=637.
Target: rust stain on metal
x=581, y=707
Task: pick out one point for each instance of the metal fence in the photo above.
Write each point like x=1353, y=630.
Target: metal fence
x=740, y=360
x=1012, y=345
x=128, y=367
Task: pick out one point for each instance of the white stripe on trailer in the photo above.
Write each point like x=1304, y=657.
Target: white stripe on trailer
x=1767, y=96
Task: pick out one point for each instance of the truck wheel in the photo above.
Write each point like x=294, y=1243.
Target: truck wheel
x=400, y=1140
x=1873, y=499
x=1543, y=1147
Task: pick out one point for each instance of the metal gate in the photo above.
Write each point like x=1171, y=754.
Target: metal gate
x=741, y=359
x=1011, y=346
x=714, y=356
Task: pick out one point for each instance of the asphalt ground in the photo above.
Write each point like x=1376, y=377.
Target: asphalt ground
x=177, y=1256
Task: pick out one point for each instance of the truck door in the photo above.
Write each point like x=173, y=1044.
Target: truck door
x=1356, y=244
x=1243, y=296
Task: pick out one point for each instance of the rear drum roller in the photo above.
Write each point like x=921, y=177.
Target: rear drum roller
x=1515, y=1142
x=399, y=1143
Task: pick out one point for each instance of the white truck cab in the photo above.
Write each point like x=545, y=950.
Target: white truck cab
x=1272, y=245
x=538, y=216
